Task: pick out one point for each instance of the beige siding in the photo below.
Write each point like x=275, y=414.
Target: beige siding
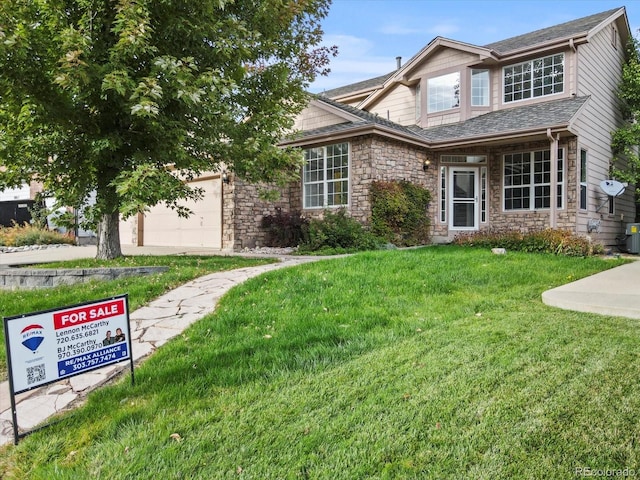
x=599, y=70
x=398, y=106
x=314, y=117
x=445, y=60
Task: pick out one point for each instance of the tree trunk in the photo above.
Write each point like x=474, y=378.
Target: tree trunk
x=109, y=236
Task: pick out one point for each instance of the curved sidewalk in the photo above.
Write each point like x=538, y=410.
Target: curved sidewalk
x=151, y=326
x=613, y=292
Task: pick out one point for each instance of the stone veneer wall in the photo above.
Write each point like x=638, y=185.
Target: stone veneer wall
x=377, y=158
x=243, y=212
x=537, y=219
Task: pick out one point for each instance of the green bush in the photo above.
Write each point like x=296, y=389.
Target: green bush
x=550, y=240
x=337, y=233
x=284, y=229
x=22, y=235
x=399, y=212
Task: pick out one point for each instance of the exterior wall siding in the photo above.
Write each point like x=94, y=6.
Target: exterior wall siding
x=313, y=117
x=398, y=106
x=599, y=70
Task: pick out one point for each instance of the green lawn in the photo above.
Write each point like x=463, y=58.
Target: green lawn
x=140, y=289
x=430, y=363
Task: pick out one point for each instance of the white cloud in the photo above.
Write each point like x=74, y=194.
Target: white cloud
x=399, y=29
x=356, y=61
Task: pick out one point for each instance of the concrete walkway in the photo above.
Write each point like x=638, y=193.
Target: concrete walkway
x=151, y=327
x=613, y=292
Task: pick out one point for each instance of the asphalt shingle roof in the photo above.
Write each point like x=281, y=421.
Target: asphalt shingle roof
x=356, y=87
x=564, y=30
x=501, y=122
x=530, y=117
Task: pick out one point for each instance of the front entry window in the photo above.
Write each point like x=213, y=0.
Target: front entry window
x=527, y=180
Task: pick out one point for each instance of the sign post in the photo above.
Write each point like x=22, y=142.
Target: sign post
x=45, y=347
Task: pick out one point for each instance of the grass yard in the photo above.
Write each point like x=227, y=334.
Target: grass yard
x=140, y=289
x=418, y=364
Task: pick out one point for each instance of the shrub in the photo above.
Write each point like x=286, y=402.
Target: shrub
x=21, y=235
x=556, y=241
x=399, y=212
x=337, y=233
x=284, y=229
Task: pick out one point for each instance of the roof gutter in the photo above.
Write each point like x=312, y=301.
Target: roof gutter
x=538, y=132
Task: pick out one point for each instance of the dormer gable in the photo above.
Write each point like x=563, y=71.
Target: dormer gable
x=567, y=35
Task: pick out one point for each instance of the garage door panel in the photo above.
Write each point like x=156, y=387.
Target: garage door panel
x=163, y=226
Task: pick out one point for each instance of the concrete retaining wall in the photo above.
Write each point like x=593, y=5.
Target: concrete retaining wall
x=42, y=278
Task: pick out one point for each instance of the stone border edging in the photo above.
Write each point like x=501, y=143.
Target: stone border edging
x=30, y=278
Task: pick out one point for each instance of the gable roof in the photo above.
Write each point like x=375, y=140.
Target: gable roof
x=565, y=31
x=499, y=125
x=544, y=35
x=357, y=122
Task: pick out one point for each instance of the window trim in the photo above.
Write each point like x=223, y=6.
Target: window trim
x=560, y=191
x=325, y=181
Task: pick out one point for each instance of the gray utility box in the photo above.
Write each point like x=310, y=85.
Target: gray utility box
x=633, y=237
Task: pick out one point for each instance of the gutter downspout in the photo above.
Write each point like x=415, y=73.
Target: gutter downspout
x=553, y=193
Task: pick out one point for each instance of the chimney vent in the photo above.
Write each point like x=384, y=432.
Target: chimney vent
x=399, y=62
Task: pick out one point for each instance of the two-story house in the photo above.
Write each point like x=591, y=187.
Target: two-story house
x=514, y=134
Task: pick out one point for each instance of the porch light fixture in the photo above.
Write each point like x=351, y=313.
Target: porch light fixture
x=425, y=164
x=225, y=178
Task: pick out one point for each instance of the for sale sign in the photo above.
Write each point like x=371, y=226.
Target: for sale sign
x=44, y=347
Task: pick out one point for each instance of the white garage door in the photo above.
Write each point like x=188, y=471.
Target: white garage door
x=163, y=227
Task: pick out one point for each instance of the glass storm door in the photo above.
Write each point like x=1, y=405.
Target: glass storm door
x=464, y=198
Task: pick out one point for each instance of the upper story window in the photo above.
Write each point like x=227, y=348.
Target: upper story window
x=443, y=92
x=479, y=88
x=325, y=176
x=535, y=78
x=614, y=36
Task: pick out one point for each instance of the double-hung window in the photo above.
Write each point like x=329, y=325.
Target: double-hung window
x=527, y=180
x=479, y=88
x=326, y=176
x=535, y=78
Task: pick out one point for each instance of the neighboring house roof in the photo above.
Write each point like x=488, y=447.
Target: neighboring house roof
x=364, y=85
x=498, y=125
x=564, y=30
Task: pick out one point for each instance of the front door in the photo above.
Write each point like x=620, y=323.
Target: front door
x=464, y=198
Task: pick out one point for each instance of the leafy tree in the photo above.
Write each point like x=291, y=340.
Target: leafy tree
x=626, y=139
x=130, y=98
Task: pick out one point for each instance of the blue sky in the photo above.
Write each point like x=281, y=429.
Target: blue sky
x=370, y=34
